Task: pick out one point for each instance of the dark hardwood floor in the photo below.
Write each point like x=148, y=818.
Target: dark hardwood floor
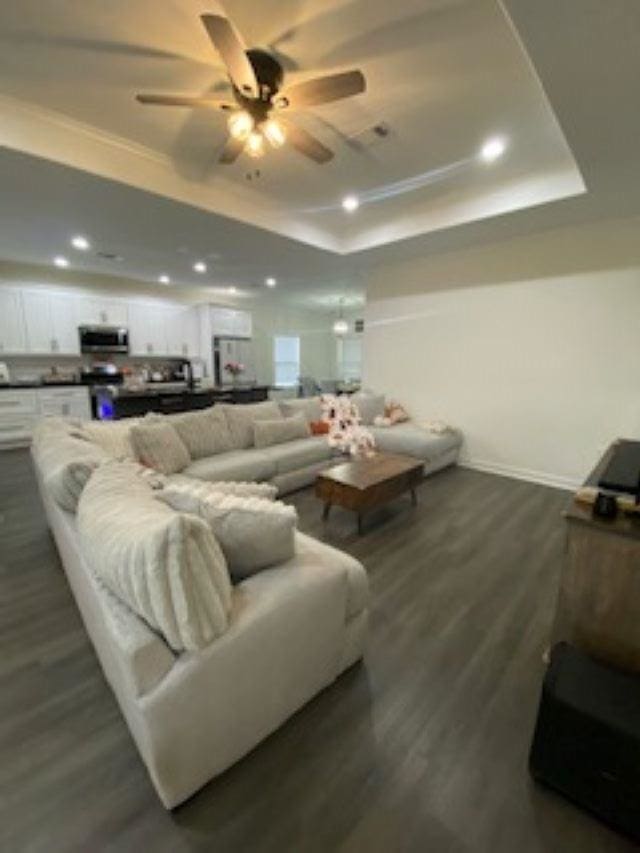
x=422, y=748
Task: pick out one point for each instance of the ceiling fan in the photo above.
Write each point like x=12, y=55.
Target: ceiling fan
x=257, y=80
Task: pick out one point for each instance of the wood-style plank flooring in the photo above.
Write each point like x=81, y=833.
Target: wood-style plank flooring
x=421, y=748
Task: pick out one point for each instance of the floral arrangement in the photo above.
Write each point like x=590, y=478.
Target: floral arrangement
x=235, y=368
x=345, y=426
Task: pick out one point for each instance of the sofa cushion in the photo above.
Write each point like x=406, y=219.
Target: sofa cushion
x=157, y=445
x=203, y=433
x=298, y=454
x=370, y=406
x=268, y=433
x=310, y=550
x=235, y=465
x=114, y=437
x=241, y=418
x=412, y=440
x=253, y=533
x=310, y=407
x=66, y=461
x=166, y=566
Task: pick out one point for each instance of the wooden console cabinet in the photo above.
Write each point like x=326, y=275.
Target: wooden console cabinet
x=598, y=607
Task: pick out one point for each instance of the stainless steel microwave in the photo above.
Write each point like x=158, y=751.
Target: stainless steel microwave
x=106, y=339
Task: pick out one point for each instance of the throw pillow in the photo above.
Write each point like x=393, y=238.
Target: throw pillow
x=268, y=433
x=203, y=433
x=310, y=407
x=112, y=436
x=241, y=418
x=166, y=566
x=253, y=533
x=242, y=490
x=158, y=445
x=396, y=413
x=319, y=427
x=65, y=461
x=370, y=406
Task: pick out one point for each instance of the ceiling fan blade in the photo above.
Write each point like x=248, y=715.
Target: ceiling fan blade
x=307, y=144
x=322, y=90
x=229, y=45
x=184, y=101
x=233, y=148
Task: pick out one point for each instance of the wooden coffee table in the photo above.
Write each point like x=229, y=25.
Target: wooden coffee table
x=369, y=482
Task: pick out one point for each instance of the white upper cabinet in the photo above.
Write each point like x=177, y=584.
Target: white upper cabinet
x=51, y=324
x=101, y=312
x=13, y=338
x=64, y=324
x=183, y=331
x=230, y=322
x=148, y=329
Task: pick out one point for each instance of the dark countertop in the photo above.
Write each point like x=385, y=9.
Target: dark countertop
x=624, y=524
x=150, y=391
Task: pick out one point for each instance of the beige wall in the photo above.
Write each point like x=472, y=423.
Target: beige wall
x=531, y=346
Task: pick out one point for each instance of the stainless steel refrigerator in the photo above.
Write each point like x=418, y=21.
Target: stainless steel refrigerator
x=240, y=350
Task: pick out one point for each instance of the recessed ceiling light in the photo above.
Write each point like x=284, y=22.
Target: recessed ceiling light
x=350, y=203
x=270, y=282
x=80, y=243
x=232, y=290
x=200, y=266
x=60, y=261
x=492, y=149
x=164, y=279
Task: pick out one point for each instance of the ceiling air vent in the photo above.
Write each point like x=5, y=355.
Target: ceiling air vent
x=359, y=326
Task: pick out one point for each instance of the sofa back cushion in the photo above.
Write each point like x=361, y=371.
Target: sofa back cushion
x=310, y=407
x=203, y=433
x=166, y=566
x=114, y=437
x=268, y=433
x=157, y=445
x=242, y=417
x=65, y=460
x=370, y=406
x=253, y=533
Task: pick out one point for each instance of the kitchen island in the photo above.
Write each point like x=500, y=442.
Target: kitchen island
x=115, y=402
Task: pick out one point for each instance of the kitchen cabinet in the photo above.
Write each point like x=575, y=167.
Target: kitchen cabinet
x=96, y=311
x=51, y=324
x=147, y=329
x=230, y=322
x=67, y=402
x=182, y=330
x=21, y=409
x=13, y=338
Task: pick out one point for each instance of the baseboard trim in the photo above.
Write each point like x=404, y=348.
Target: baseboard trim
x=541, y=477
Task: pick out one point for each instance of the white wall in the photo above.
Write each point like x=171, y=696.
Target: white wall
x=531, y=346
x=317, y=341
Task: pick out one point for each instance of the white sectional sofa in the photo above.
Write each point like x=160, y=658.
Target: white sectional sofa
x=292, y=629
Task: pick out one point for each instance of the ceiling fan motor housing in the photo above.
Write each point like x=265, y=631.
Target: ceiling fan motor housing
x=268, y=71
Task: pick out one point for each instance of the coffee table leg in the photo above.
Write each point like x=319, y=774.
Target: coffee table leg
x=414, y=497
x=359, y=524
x=325, y=511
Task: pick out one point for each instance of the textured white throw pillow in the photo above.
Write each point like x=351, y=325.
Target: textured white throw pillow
x=253, y=533
x=202, y=488
x=241, y=418
x=166, y=566
x=157, y=445
x=204, y=433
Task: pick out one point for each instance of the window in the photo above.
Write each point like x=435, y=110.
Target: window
x=350, y=357
x=286, y=358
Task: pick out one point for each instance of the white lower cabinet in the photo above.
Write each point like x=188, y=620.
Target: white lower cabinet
x=21, y=409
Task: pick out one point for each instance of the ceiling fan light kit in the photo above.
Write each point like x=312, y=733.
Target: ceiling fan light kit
x=257, y=80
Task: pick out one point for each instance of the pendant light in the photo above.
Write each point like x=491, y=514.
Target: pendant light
x=340, y=327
